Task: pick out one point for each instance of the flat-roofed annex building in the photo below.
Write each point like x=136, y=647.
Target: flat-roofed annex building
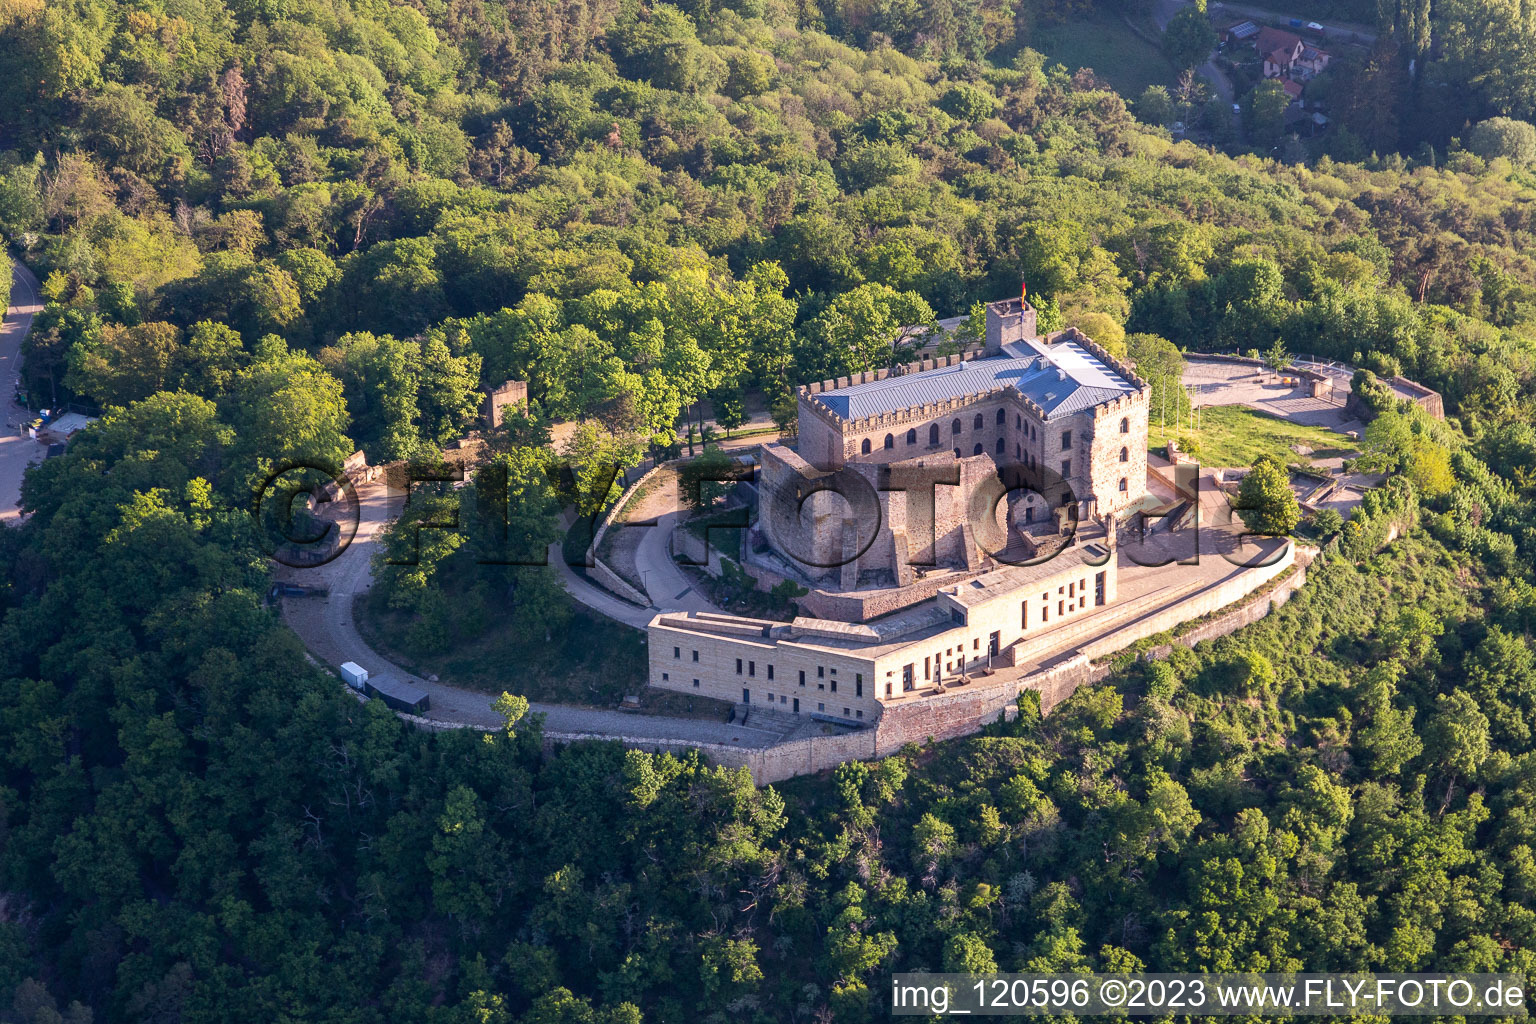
x=849, y=672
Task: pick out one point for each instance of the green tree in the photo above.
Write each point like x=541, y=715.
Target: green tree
x=125, y=364
x=1457, y=737
x=705, y=479
x=1264, y=113
x=1504, y=137
x=1266, y=498
x=1189, y=39
x=1277, y=357
x=1154, y=105
x=286, y=410
x=968, y=953
x=1160, y=363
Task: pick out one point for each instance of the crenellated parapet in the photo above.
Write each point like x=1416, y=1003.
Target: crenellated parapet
x=1121, y=367
x=1122, y=406
x=809, y=391
x=903, y=418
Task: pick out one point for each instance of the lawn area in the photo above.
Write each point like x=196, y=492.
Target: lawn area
x=590, y=660
x=1106, y=44
x=1235, y=435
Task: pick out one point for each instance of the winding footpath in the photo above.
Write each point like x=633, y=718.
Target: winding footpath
x=328, y=629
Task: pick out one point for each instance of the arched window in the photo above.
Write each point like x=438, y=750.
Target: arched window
x=1018, y=451
x=933, y=434
x=890, y=442
x=864, y=448
x=1002, y=417
x=978, y=422
x=912, y=436
x=1018, y=421
x=1123, y=486
x=977, y=450
x=954, y=427
x=999, y=446
x=1125, y=424
x=957, y=453
x=1125, y=455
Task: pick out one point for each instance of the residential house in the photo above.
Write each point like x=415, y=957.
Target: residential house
x=1311, y=62
x=1280, y=50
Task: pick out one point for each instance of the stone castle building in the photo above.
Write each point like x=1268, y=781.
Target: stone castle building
x=960, y=509
x=960, y=458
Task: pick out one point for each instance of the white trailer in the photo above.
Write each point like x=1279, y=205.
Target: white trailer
x=354, y=674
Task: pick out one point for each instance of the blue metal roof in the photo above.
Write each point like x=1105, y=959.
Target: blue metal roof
x=1061, y=377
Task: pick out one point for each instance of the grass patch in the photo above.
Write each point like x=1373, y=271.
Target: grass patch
x=1235, y=435
x=736, y=592
x=591, y=660
x=1106, y=44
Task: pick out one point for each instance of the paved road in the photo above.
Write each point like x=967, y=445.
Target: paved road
x=329, y=631
x=326, y=625
x=668, y=587
x=595, y=597
x=1340, y=31
x=17, y=451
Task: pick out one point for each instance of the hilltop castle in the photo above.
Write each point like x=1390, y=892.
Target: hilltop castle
x=1056, y=422
x=974, y=513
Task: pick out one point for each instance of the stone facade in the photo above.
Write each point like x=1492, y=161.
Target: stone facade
x=852, y=672
x=1082, y=449
x=1009, y=321
x=918, y=486
x=497, y=400
x=961, y=710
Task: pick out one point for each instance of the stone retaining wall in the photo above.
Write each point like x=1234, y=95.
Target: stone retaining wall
x=601, y=573
x=958, y=712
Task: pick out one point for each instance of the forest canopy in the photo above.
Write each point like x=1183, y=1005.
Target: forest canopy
x=288, y=229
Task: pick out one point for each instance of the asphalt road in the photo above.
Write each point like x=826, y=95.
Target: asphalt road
x=667, y=586
x=17, y=451
x=1336, y=31
x=326, y=625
